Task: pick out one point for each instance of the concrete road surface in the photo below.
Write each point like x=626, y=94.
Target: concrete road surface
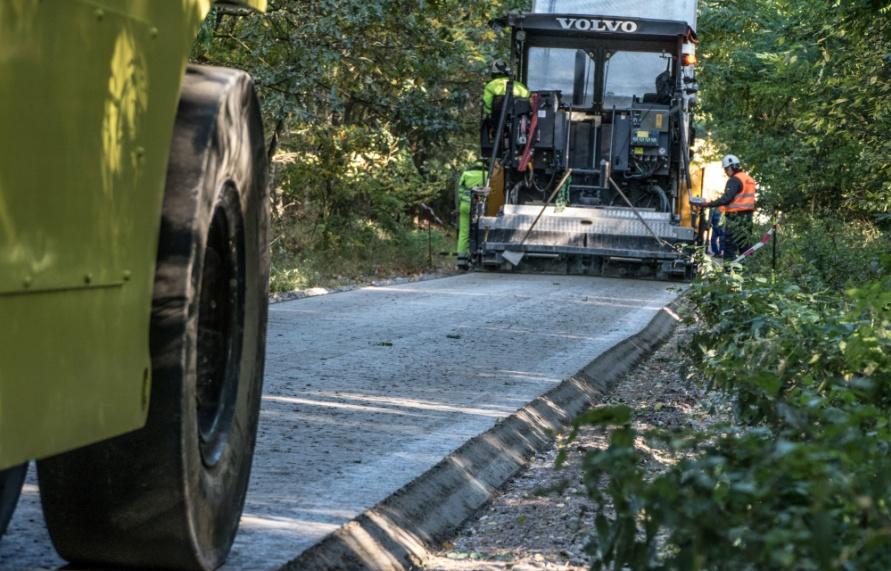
x=369, y=389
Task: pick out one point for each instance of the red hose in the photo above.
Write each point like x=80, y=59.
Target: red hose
x=527, y=152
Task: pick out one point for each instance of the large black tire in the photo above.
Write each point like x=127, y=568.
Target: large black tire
x=11, y=481
x=171, y=495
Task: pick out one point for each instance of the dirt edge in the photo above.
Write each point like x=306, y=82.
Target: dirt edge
x=397, y=533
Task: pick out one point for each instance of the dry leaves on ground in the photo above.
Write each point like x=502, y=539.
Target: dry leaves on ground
x=543, y=518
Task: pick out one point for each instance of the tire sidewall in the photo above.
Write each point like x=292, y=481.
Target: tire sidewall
x=11, y=482
x=214, y=493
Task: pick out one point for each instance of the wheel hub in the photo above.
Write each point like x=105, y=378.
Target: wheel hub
x=220, y=326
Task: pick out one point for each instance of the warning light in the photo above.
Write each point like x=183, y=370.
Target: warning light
x=688, y=52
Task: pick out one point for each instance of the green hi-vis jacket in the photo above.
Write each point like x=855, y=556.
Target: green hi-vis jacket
x=474, y=177
x=497, y=88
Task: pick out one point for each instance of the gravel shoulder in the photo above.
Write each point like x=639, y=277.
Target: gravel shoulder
x=543, y=518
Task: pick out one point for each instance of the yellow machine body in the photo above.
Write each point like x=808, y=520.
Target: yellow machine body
x=89, y=92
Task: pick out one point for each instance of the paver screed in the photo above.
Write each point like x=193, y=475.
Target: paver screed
x=367, y=390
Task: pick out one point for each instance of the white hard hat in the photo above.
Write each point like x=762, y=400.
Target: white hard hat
x=731, y=161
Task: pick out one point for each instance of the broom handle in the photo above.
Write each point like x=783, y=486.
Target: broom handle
x=548, y=203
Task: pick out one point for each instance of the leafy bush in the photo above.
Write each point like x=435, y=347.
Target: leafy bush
x=800, y=90
x=358, y=251
x=373, y=107
x=803, y=480
x=820, y=254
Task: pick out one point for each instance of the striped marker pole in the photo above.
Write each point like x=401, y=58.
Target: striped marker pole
x=764, y=242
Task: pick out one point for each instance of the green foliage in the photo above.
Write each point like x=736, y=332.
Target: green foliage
x=803, y=479
x=362, y=252
x=828, y=254
x=801, y=90
x=373, y=107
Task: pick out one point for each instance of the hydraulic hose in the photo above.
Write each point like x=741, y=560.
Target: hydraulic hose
x=664, y=203
x=685, y=157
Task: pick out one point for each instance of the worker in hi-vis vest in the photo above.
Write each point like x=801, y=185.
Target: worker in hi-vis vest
x=473, y=177
x=497, y=87
x=738, y=206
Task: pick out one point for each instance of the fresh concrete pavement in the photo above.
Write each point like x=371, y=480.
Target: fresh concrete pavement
x=366, y=391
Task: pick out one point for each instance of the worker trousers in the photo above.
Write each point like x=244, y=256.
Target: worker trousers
x=465, y=202
x=717, y=240
x=738, y=230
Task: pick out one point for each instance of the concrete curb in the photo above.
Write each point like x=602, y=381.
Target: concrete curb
x=397, y=533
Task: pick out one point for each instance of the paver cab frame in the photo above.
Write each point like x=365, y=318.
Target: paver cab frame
x=591, y=174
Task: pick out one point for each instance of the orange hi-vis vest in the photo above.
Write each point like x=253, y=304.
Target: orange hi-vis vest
x=744, y=201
